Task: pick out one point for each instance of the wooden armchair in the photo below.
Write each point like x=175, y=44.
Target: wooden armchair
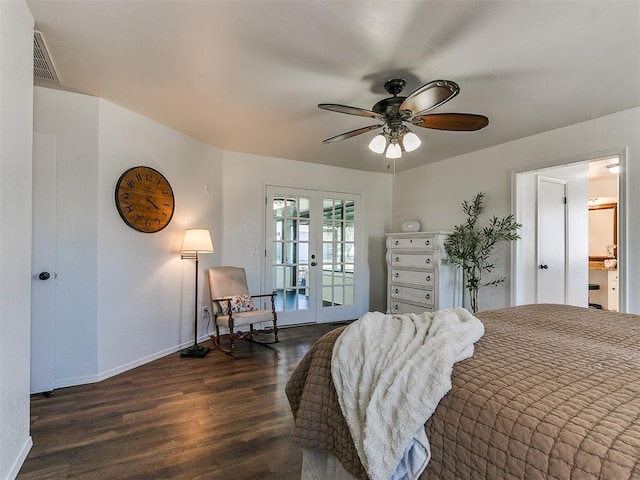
x=233, y=307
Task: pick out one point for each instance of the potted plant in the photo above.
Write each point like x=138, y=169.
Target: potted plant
x=470, y=246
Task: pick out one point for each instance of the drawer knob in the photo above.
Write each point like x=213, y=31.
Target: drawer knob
x=396, y=242
x=411, y=240
x=428, y=260
x=395, y=290
x=397, y=259
x=427, y=296
x=395, y=307
x=428, y=278
x=427, y=242
x=397, y=274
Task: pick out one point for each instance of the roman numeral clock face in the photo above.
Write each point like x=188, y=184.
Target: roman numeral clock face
x=144, y=199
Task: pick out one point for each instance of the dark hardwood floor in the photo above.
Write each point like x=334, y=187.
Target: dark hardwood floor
x=218, y=417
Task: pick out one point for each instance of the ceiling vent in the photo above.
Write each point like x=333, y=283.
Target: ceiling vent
x=43, y=68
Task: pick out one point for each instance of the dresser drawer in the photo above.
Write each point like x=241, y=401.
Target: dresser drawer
x=412, y=294
x=425, y=242
x=412, y=260
x=411, y=276
x=401, y=308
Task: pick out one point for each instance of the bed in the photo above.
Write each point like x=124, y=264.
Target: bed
x=551, y=392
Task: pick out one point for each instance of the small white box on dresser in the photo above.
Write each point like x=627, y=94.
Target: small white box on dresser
x=417, y=278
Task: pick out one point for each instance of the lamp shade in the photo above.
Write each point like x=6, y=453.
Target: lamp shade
x=197, y=240
x=411, y=142
x=378, y=144
x=394, y=151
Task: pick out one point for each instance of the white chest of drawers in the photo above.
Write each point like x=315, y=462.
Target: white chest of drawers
x=418, y=281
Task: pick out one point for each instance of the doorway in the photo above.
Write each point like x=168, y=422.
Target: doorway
x=313, y=264
x=529, y=286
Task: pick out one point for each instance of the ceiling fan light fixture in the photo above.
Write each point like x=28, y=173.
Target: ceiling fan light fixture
x=378, y=144
x=410, y=141
x=394, y=151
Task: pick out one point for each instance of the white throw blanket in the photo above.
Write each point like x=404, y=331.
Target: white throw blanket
x=390, y=372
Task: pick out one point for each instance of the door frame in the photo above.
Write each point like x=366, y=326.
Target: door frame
x=623, y=154
x=348, y=312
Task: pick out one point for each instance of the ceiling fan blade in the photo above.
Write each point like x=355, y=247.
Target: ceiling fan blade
x=350, y=134
x=430, y=96
x=361, y=112
x=463, y=122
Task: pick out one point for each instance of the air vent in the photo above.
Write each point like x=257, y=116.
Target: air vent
x=43, y=68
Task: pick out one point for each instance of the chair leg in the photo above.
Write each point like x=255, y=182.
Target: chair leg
x=275, y=323
x=231, y=336
x=216, y=342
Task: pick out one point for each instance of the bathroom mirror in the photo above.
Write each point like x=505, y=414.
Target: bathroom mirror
x=603, y=231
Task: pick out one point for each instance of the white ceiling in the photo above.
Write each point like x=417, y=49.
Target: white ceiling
x=247, y=76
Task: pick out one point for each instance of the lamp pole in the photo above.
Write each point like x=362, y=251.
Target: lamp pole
x=196, y=241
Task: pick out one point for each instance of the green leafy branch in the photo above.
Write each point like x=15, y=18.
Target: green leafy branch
x=469, y=247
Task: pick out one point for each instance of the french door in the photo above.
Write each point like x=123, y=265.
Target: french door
x=313, y=254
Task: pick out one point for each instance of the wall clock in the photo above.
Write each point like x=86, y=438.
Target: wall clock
x=144, y=199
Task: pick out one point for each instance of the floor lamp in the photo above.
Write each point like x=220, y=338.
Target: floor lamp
x=196, y=241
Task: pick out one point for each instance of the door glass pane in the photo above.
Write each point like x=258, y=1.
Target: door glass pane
x=278, y=277
x=327, y=296
x=278, y=253
x=349, y=297
x=278, y=206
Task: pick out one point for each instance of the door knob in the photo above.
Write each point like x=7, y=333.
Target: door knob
x=543, y=266
x=44, y=276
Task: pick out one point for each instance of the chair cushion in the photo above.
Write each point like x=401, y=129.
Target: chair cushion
x=238, y=304
x=246, y=318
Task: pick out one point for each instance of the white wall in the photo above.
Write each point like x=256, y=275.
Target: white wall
x=432, y=193
x=122, y=297
x=16, y=118
x=604, y=189
x=145, y=292
x=246, y=177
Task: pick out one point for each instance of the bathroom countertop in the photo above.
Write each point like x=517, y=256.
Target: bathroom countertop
x=599, y=265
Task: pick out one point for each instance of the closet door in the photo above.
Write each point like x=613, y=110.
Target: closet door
x=43, y=252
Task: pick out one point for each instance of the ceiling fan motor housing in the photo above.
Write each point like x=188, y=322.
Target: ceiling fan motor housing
x=389, y=108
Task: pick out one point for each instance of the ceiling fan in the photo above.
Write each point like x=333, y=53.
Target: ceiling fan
x=395, y=111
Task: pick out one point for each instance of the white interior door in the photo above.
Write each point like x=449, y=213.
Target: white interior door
x=312, y=240
x=42, y=260
x=552, y=234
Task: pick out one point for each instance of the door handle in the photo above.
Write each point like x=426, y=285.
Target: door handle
x=543, y=266
x=44, y=276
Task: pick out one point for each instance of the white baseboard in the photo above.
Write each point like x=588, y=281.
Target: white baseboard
x=72, y=382
x=22, y=456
